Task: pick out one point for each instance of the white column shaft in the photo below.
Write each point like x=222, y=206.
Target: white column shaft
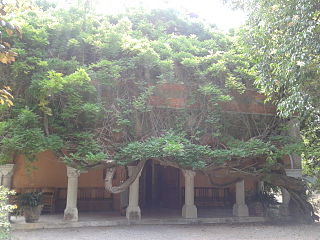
x=240, y=209
x=6, y=180
x=134, y=193
x=189, y=210
x=72, y=192
x=189, y=189
x=240, y=193
x=133, y=211
x=260, y=187
x=71, y=211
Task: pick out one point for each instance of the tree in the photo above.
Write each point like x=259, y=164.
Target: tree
x=7, y=55
x=283, y=37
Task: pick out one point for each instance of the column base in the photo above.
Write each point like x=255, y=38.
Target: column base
x=284, y=210
x=240, y=210
x=189, y=211
x=133, y=213
x=71, y=214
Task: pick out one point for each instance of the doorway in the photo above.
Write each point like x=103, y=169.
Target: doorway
x=160, y=186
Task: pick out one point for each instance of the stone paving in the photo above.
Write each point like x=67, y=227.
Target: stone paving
x=108, y=219
x=177, y=232
x=149, y=217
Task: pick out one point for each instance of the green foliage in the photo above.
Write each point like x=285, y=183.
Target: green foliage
x=88, y=84
x=5, y=209
x=30, y=199
x=83, y=149
x=22, y=135
x=215, y=94
x=283, y=37
x=105, y=71
x=180, y=150
x=311, y=156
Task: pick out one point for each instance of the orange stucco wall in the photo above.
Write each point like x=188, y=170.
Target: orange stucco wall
x=48, y=171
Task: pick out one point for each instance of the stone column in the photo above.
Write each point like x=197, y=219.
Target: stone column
x=189, y=210
x=71, y=211
x=284, y=208
x=240, y=209
x=6, y=172
x=294, y=132
x=260, y=187
x=295, y=170
x=133, y=210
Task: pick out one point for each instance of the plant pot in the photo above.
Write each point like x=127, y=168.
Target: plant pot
x=32, y=214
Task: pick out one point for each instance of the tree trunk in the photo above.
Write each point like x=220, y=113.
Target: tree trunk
x=121, y=188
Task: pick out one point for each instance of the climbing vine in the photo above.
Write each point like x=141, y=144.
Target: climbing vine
x=122, y=89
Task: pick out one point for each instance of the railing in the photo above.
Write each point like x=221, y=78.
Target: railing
x=89, y=199
x=210, y=196
x=93, y=193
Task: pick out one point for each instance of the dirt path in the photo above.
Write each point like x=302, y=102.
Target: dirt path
x=178, y=232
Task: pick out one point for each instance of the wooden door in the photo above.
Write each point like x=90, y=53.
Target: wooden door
x=169, y=187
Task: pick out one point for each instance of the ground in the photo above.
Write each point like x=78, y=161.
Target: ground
x=177, y=232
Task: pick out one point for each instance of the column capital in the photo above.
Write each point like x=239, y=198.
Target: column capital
x=296, y=173
x=188, y=173
x=131, y=169
x=7, y=169
x=72, y=172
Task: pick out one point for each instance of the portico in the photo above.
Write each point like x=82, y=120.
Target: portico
x=172, y=192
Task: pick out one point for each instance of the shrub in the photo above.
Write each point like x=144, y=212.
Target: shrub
x=5, y=209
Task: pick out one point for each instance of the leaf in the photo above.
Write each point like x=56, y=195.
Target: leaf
x=3, y=58
x=9, y=102
x=9, y=32
x=7, y=44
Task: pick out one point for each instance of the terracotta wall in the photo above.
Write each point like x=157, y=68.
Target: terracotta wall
x=174, y=95
x=48, y=171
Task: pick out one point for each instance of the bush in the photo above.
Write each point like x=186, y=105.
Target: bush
x=5, y=209
x=30, y=199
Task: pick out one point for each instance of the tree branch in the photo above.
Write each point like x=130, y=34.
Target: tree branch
x=121, y=188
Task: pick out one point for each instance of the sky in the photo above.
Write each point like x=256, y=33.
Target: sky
x=213, y=11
